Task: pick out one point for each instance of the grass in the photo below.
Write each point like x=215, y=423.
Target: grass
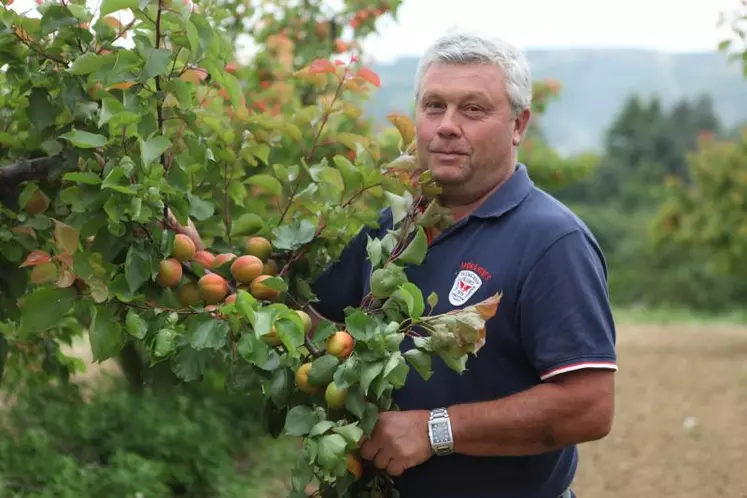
x=662, y=316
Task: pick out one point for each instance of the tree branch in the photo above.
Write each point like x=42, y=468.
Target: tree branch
x=31, y=169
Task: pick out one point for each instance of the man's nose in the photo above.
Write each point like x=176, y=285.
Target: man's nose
x=449, y=125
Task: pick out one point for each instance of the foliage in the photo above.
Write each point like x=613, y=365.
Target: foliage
x=123, y=148
x=55, y=442
x=705, y=214
x=736, y=44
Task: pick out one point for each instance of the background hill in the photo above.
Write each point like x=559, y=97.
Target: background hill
x=595, y=86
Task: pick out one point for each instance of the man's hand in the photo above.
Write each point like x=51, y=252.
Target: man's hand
x=399, y=441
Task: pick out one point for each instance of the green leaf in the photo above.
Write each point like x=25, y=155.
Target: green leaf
x=204, y=30
x=90, y=62
x=200, y=209
x=86, y=177
x=432, y=299
x=117, y=180
x=105, y=334
x=331, y=451
x=369, y=419
x=205, y=332
x=373, y=249
x=54, y=18
x=370, y=372
x=351, y=432
x=321, y=427
x=360, y=325
x=396, y=370
x=109, y=6
x=85, y=140
x=385, y=281
x=294, y=235
x=416, y=250
x=276, y=283
x=356, y=401
x=399, y=205
x=44, y=309
x=421, y=361
x=247, y=224
x=188, y=364
x=152, y=149
x=323, y=369
x=300, y=420
x=40, y=112
x=281, y=386
x=266, y=182
x=138, y=268
x=135, y=325
x=109, y=108
x=157, y=62
x=352, y=178
x=411, y=295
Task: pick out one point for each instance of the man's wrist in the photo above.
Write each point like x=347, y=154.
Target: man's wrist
x=440, y=434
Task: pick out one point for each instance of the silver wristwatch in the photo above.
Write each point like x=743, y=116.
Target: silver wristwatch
x=439, y=432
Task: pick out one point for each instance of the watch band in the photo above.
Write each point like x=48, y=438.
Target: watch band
x=439, y=432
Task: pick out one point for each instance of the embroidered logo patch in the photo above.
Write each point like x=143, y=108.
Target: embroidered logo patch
x=465, y=285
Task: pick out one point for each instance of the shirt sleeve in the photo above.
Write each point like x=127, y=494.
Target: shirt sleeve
x=341, y=283
x=565, y=318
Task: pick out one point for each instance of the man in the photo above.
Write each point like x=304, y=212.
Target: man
x=543, y=382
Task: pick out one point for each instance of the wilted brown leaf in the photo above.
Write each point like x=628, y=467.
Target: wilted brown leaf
x=36, y=257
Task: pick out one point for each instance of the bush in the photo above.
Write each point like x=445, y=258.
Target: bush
x=57, y=444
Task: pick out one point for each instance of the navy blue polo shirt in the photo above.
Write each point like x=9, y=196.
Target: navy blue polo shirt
x=554, y=317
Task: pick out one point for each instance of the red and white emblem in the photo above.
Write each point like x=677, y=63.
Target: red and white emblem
x=466, y=284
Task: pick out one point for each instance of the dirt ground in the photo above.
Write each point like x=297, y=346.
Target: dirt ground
x=681, y=417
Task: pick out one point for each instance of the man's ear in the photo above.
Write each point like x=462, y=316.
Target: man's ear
x=520, y=125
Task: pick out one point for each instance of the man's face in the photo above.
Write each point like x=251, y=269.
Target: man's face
x=466, y=132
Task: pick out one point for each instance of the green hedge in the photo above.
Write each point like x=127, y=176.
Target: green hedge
x=189, y=442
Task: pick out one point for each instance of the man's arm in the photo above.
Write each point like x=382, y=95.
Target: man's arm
x=567, y=329
x=570, y=409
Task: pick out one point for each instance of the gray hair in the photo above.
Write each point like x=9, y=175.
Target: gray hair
x=468, y=48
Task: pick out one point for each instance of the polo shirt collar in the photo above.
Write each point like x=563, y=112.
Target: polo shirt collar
x=508, y=196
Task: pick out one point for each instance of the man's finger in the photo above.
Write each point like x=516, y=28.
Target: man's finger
x=395, y=468
x=383, y=457
x=369, y=450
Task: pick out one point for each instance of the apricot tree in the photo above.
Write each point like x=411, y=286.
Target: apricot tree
x=116, y=150
x=127, y=131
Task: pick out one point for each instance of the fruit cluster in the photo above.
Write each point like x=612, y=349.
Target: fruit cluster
x=340, y=345
x=249, y=271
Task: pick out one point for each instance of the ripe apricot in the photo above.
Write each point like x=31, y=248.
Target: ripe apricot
x=184, y=248
x=246, y=268
x=169, y=273
x=302, y=380
x=261, y=291
x=340, y=344
x=223, y=258
x=204, y=258
x=213, y=288
x=259, y=247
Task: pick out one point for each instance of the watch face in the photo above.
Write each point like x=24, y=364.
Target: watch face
x=441, y=433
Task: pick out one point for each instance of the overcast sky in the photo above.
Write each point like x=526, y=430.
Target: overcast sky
x=667, y=25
